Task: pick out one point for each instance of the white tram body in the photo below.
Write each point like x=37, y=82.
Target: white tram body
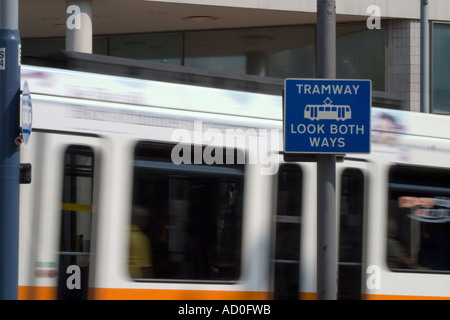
x=90, y=126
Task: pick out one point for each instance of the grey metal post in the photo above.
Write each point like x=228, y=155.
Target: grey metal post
x=9, y=151
x=326, y=163
x=79, y=25
x=424, y=57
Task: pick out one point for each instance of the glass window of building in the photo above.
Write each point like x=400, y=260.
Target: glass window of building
x=42, y=47
x=163, y=48
x=361, y=54
x=275, y=52
x=440, y=68
x=280, y=52
x=51, y=46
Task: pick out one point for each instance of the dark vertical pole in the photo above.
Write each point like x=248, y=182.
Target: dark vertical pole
x=424, y=58
x=9, y=151
x=326, y=163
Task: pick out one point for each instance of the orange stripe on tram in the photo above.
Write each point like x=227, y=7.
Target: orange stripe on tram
x=49, y=293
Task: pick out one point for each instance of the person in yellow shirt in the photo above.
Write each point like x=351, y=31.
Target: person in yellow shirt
x=140, y=261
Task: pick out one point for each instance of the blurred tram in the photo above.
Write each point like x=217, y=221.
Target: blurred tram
x=162, y=182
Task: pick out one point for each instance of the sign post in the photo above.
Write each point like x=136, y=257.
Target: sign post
x=9, y=150
x=326, y=163
x=322, y=118
x=326, y=117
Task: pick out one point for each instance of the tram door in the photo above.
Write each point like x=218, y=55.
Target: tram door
x=351, y=234
x=287, y=233
x=76, y=221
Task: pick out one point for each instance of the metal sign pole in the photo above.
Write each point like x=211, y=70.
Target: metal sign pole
x=326, y=163
x=9, y=150
x=424, y=57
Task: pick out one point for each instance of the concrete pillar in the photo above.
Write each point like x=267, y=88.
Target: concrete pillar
x=79, y=25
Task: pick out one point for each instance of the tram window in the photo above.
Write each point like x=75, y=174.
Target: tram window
x=287, y=237
x=350, y=234
x=187, y=217
x=418, y=225
x=76, y=218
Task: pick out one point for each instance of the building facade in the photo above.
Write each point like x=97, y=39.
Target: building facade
x=376, y=39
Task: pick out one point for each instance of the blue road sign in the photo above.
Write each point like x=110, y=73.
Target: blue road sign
x=327, y=116
x=27, y=113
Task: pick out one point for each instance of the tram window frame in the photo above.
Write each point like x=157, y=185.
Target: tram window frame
x=167, y=192
x=76, y=217
x=351, y=211
x=409, y=229
x=287, y=236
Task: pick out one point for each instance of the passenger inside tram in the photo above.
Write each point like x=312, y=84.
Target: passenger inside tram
x=140, y=261
x=398, y=257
